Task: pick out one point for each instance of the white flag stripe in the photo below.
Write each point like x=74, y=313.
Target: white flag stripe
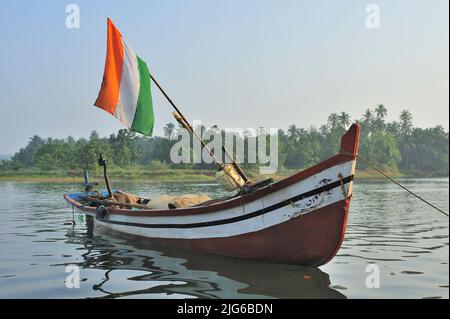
x=129, y=87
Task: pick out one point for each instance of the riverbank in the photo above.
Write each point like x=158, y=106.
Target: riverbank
x=165, y=176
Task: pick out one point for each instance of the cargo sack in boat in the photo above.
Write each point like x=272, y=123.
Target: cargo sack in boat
x=228, y=178
x=126, y=198
x=170, y=202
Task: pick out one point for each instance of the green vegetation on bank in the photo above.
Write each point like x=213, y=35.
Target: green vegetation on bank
x=150, y=176
x=397, y=147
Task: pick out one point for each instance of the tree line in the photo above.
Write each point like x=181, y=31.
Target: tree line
x=396, y=145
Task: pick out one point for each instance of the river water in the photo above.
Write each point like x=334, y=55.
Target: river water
x=395, y=247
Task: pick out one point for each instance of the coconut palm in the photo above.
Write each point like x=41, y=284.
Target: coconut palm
x=381, y=111
x=367, y=118
x=344, y=119
x=406, y=122
x=168, y=129
x=333, y=121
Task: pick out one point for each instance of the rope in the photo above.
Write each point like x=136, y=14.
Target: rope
x=396, y=183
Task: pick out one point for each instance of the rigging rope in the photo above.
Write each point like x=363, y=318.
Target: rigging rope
x=396, y=183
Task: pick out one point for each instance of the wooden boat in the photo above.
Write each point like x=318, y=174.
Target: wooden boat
x=298, y=220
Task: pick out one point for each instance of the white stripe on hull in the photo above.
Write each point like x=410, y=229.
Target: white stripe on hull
x=269, y=219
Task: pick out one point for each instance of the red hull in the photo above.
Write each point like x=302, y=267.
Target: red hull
x=308, y=240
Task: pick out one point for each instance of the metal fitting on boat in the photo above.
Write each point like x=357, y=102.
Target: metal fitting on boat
x=101, y=212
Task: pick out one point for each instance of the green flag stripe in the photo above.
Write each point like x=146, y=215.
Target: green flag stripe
x=143, y=118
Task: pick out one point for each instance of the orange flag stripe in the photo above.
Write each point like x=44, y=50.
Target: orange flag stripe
x=109, y=94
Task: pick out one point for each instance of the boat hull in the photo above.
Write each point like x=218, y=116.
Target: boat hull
x=293, y=242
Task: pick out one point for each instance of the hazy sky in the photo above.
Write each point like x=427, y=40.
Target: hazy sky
x=232, y=63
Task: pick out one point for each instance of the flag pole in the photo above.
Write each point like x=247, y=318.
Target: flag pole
x=184, y=122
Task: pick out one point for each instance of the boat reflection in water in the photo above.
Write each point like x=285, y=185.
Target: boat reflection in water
x=164, y=273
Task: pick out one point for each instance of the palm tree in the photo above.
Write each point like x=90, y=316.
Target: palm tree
x=333, y=120
x=406, y=122
x=168, y=129
x=406, y=129
x=344, y=119
x=381, y=111
x=367, y=117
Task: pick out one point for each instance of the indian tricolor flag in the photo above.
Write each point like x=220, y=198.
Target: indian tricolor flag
x=125, y=91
